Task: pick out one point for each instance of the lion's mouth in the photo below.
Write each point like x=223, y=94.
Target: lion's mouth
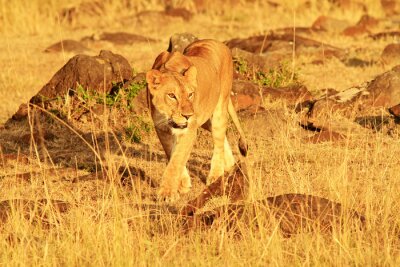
x=178, y=126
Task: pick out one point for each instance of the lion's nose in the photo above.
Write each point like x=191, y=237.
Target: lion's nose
x=187, y=115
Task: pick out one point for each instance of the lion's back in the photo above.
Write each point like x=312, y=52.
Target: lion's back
x=211, y=50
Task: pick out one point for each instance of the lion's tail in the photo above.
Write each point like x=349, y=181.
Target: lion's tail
x=242, y=140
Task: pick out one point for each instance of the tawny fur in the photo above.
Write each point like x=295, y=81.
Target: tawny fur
x=188, y=91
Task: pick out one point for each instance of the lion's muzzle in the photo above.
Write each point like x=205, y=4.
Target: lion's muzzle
x=178, y=126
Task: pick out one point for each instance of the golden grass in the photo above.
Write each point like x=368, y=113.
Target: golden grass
x=111, y=225
x=108, y=225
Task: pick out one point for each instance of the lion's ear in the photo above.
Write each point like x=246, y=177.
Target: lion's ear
x=160, y=60
x=153, y=78
x=191, y=75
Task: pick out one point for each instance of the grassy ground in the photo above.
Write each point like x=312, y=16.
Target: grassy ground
x=110, y=224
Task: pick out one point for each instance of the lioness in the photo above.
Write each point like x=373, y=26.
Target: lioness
x=188, y=91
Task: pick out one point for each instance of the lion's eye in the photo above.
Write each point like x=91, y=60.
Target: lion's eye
x=191, y=94
x=172, y=96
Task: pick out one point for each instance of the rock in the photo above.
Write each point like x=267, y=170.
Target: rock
x=254, y=61
x=395, y=111
x=150, y=18
x=380, y=92
x=97, y=73
x=353, y=31
x=215, y=6
x=284, y=44
x=246, y=102
x=325, y=136
x=246, y=88
x=21, y=113
x=297, y=30
x=357, y=62
x=84, y=9
x=362, y=27
x=324, y=108
x=291, y=94
x=368, y=22
x=346, y=102
x=124, y=38
x=391, y=54
x=179, y=41
x=385, y=35
x=293, y=213
x=303, y=213
x=67, y=46
x=179, y=12
x=391, y=7
x=249, y=96
x=234, y=185
x=329, y=24
x=376, y=123
x=384, y=89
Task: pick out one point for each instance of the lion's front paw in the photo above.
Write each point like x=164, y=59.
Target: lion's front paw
x=185, y=184
x=167, y=194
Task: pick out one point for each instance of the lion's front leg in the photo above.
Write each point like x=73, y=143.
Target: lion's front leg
x=176, y=179
x=186, y=183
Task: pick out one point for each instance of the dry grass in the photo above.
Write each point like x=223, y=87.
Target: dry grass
x=110, y=224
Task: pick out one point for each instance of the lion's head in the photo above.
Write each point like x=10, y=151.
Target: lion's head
x=173, y=94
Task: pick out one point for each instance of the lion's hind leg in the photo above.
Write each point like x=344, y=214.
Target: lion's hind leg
x=229, y=160
x=219, y=123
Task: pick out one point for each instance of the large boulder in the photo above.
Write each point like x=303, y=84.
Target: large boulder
x=384, y=89
x=391, y=54
x=381, y=92
x=97, y=73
